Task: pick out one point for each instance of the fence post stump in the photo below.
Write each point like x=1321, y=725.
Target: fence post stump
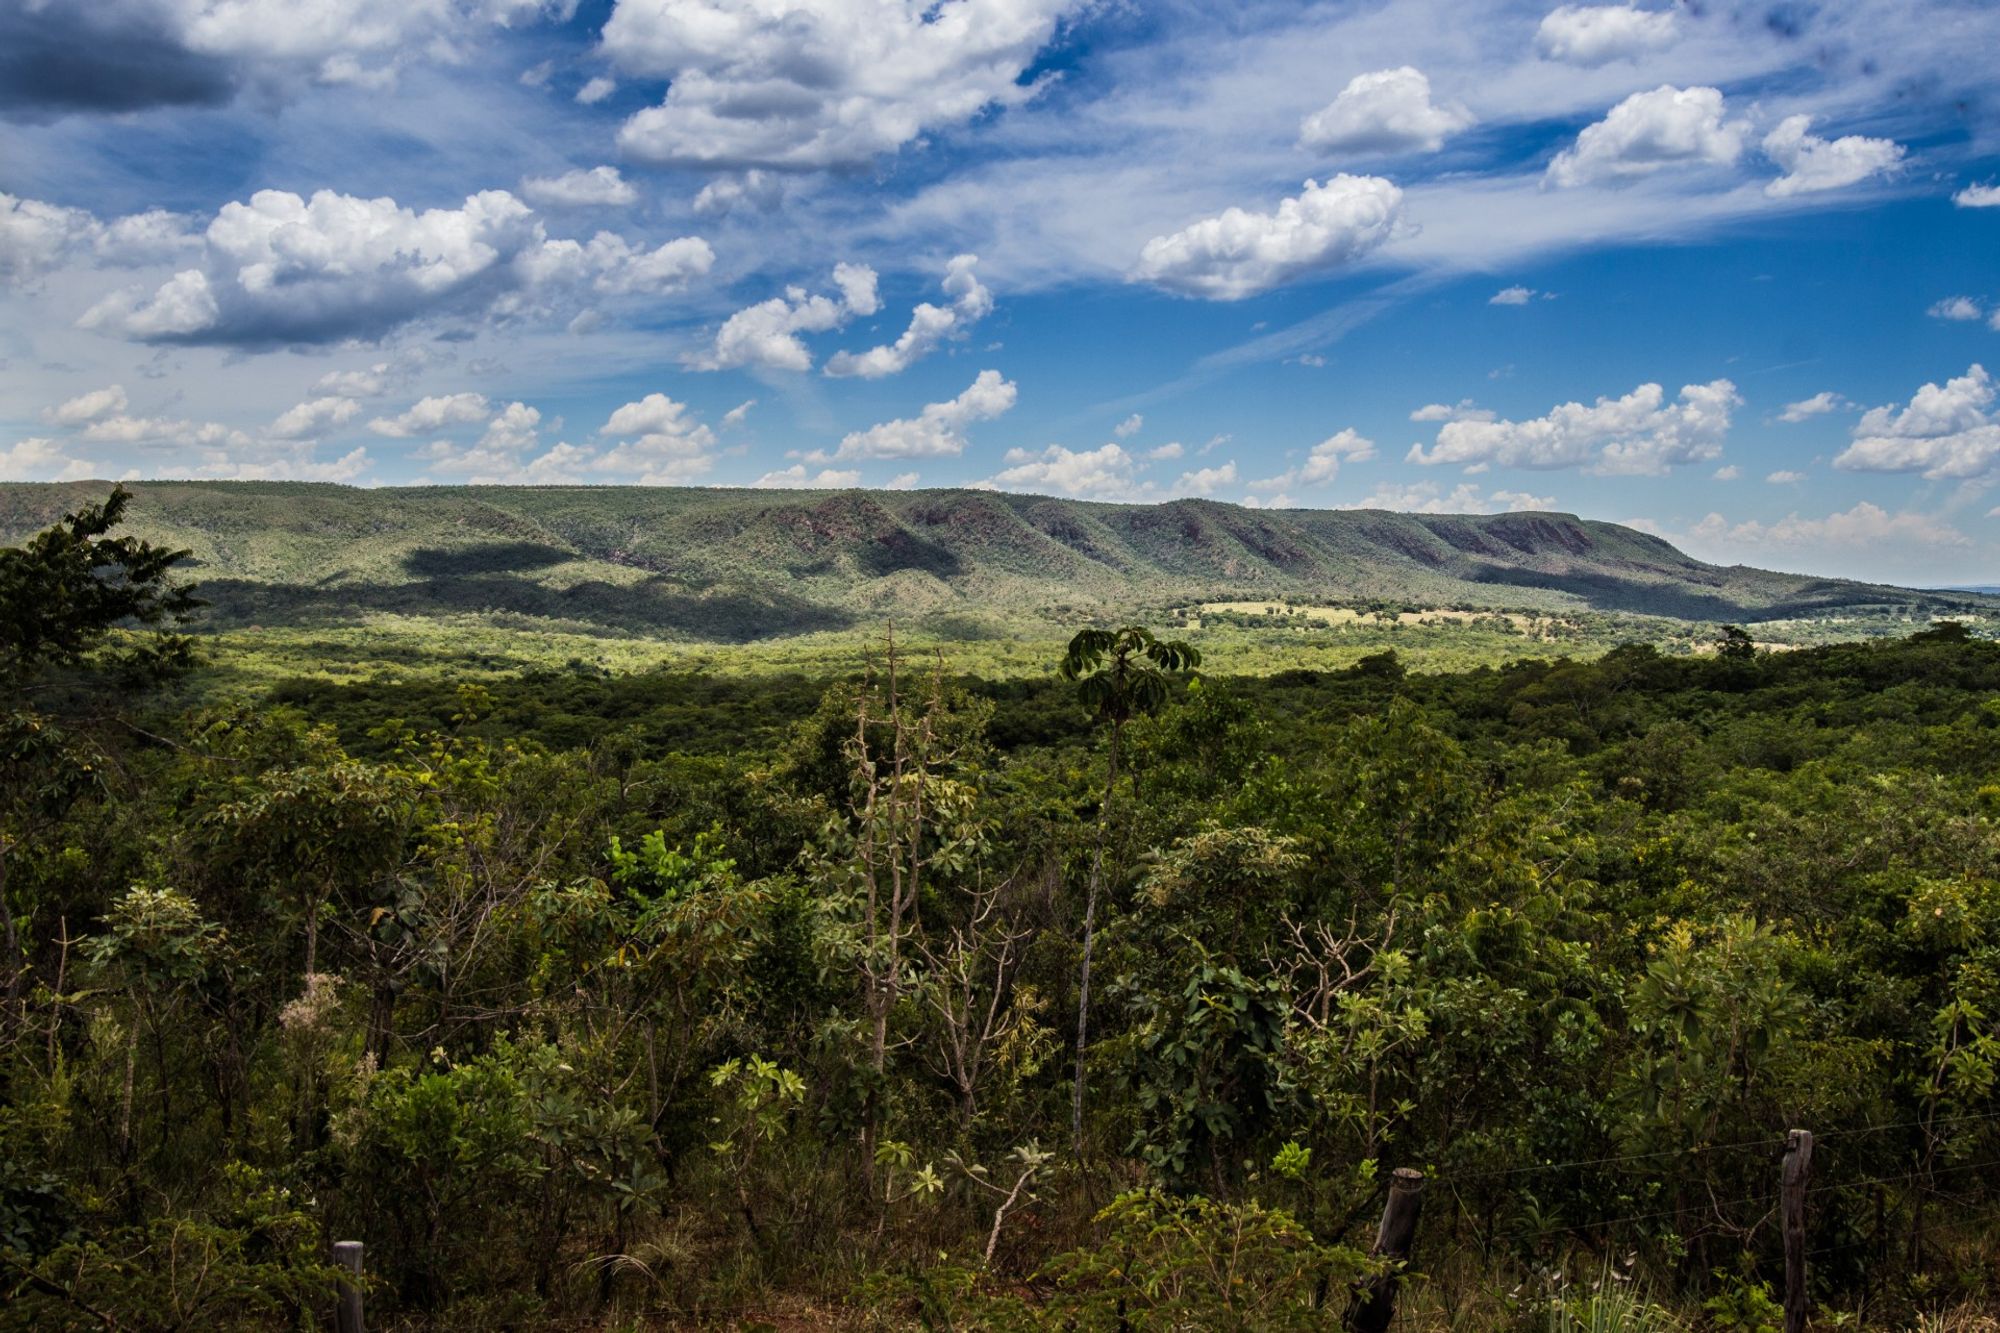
x=1374, y=1303
x=347, y=1293
x=1798, y=1167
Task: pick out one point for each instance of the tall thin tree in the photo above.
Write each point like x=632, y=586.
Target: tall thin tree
x=1120, y=675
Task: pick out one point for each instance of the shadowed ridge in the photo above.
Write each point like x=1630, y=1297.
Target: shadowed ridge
x=727, y=565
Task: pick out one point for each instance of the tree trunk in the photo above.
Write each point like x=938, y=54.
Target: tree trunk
x=16, y=959
x=125, y=1099
x=1090, y=941
x=382, y=1022
x=312, y=934
x=878, y=1063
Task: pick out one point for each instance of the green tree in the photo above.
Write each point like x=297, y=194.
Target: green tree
x=85, y=620
x=156, y=946
x=1120, y=674
x=65, y=593
x=1735, y=644
x=910, y=830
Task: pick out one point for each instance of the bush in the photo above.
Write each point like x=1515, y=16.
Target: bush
x=1194, y=1262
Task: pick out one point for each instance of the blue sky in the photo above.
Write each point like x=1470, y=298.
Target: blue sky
x=1730, y=272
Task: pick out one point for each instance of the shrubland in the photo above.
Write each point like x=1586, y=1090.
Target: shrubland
x=657, y=998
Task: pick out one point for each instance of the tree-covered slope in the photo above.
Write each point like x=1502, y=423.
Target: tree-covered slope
x=733, y=565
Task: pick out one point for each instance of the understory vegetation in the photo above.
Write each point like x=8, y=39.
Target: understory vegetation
x=1107, y=997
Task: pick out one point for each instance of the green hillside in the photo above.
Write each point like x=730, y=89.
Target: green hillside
x=734, y=566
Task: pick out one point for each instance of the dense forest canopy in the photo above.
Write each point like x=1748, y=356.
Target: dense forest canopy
x=640, y=1000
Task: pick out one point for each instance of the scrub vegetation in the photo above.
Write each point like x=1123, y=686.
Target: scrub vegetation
x=1097, y=976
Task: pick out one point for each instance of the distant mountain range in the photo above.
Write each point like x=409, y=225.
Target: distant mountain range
x=737, y=565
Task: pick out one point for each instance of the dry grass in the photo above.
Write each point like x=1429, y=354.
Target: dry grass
x=1965, y=1319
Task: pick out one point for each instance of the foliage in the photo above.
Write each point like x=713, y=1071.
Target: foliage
x=248, y=1263
x=1611, y=1309
x=1121, y=673
x=1744, y=1307
x=64, y=592
x=1191, y=1262
x=596, y=999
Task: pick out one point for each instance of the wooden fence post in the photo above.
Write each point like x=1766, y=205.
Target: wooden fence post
x=347, y=1294
x=1374, y=1302
x=1798, y=1168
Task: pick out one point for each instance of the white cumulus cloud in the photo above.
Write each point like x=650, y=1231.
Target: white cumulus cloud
x=1946, y=432
x=1639, y=433
x=513, y=428
x=281, y=268
x=1205, y=480
x=182, y=306
x=939, y=430
x=1108, y=472
x=36, y=237
x=599, y=187
x=608, y=265
x=1866, y=525
x=501, y=454
x=123, y=429
x=1239, y=253
x=1599, y=34
x=766, y=335
x=1978, y=196
x=294, y=464
x=432, y=414
x=1812, y=164
x=930, y=326
x=1321, y=464
x=797, y=477
x=1388, y=111
x=661, y=444
x=87, y=407
x=1668, y=126
x=314, y=417
x=1426, y=497
x=652, y=414
x=1816, y=406
x=38, y=458
x=756, y=187
x=1463, y=410
x=651, y=441
x=811, y=84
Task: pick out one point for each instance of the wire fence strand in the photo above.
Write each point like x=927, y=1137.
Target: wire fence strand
x=1925, y=1178
x=1772, y=1143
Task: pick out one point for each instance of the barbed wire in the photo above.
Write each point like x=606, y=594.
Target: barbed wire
x=1906, y=1124
x=1693, y=1150
x=1927, y=1175
x=1601, y=1223
x=1699, y=1150
x=1951, y=1225
x=1715, y=1207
